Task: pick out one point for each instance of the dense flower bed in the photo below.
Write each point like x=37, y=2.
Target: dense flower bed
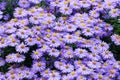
x=59, y=40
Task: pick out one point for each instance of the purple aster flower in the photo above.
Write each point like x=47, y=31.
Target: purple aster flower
x=20, y=12
x=59, y=64
x=75, y=4
x=80, y=77
x=94, y=56
x=85, y=4
x=107, y=55
x=22, y=48
x=88, y=32
x=54, y=75
x=68, y=53
x=36, y=54
x=19, y=58
x=68, y=38
x=114, y=13
x=70, y=27
x=38, y=66
x=22, y=33
x=59, y=26
x=3, y=5
x=84, y=70
x=35, y=1
x=30, y=41
x=2, y=62
x=94, y=13
x=10, y=58
x=24, y=3
x=81, y=53
x=65, y=10
x=6, y=17
x=54, y=52
x=103, y=46
x=67, y=68
x=46, y=73
x=93, y=64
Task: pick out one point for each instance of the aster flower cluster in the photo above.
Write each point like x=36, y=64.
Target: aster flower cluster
x=61, y=41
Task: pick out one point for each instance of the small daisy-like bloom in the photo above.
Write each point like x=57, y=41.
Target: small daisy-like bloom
x=20, y=75
x=94, y=56
x=99, y=76
x=22, y=48
x=35, y=1
x=70, y=27
x=88, y=32
x=68, y=38
x=20, y=12
x=24, y=3
x=78, y=64
x=46, y=73
x=108, y=27
x=81, y=53
x=65, y=77
x=84, y=70
x=93, y=64
x=59, y=26
x=114, y=13
x=34, y=20
x=3, y=43
x=59, y=64
x=82, y=25
x=95, y=49
x=22, y=33
x=80, y=77
x=36, y=54
x=3, y=5
x=54, y=52
x=117, y=65
x=85, y=4
x=10, y=29
x=38, y=66
x=2, y=62
x=55, y=3
x=107, y=55
x=112, y=73
x=94, y=13
x=30, y=41
x=67, y=68
x=44, y=48
x=28, y=74
x=114, y=37
x=37, y=29
x=68, y=53
x=54, y=75
x=73, y=74
x=108, y=4
x=13, y=41
x=10, y=58
x=1, y=14
x=19, y=58
x=54, y=43
x=65, y=10
x=97, y=30
x=103, y=46
x=23, y=22
x=13, y=77
x=99, y=7
x=75, y=4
